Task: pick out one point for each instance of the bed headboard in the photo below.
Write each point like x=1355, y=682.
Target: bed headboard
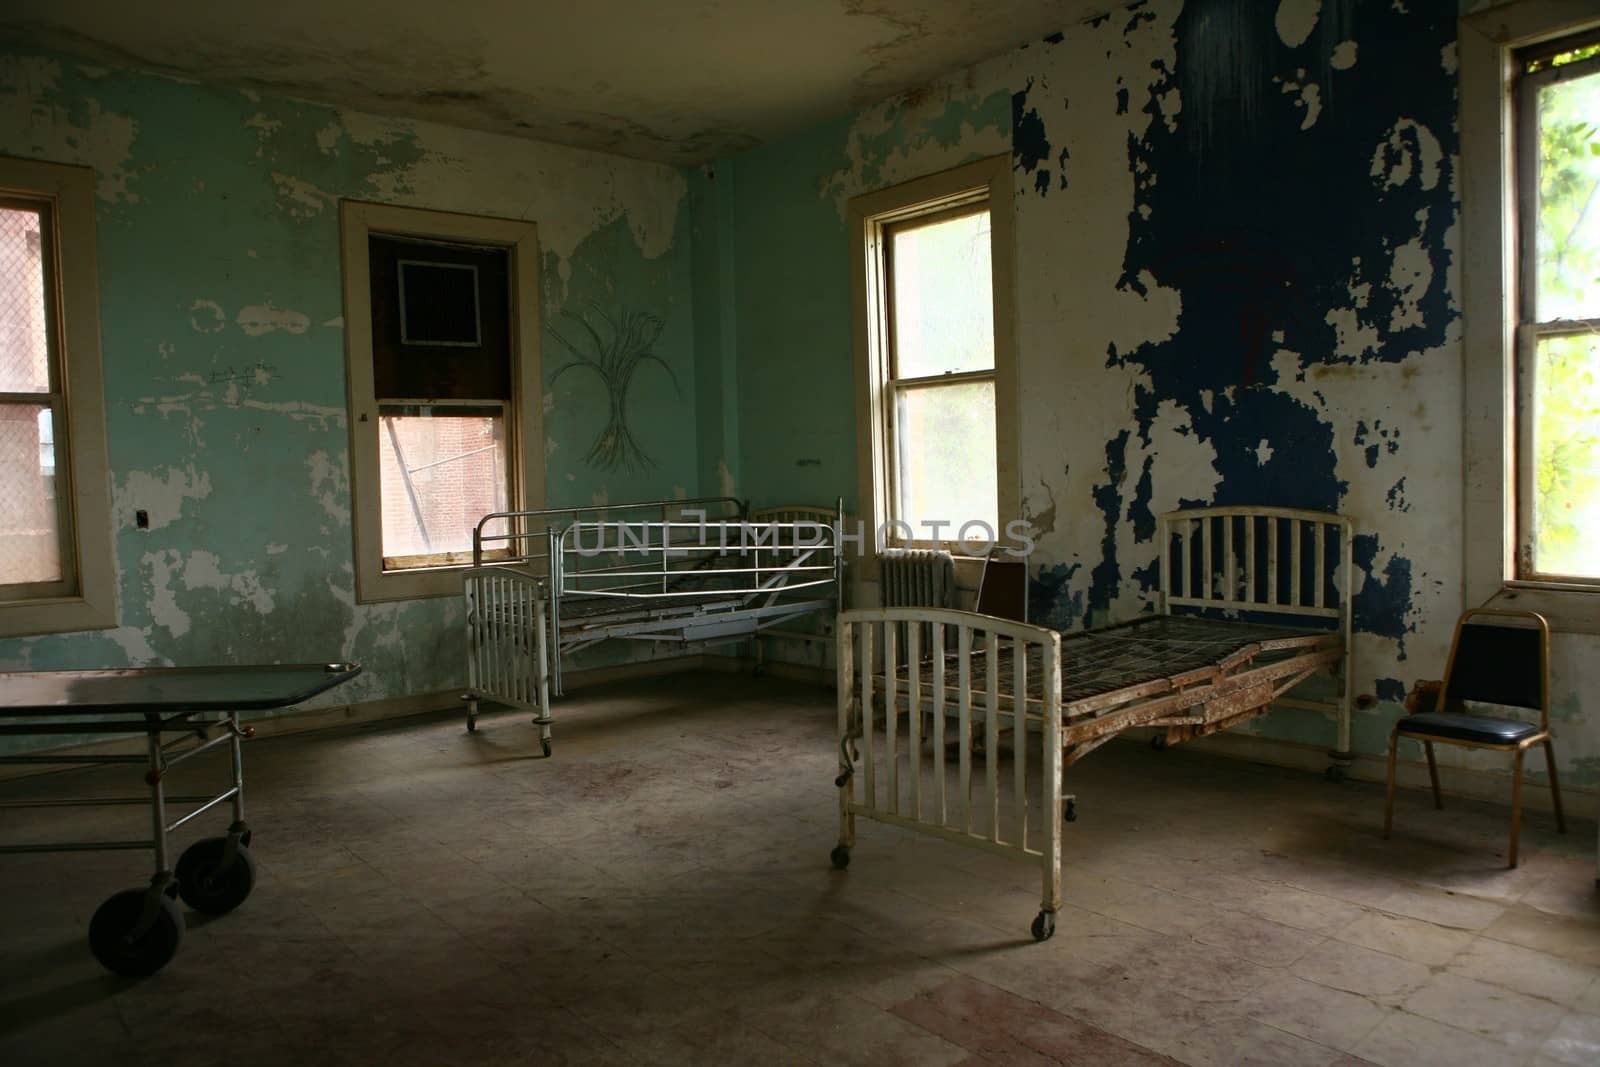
x=1282, y=561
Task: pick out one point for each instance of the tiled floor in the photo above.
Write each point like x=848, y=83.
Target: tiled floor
x=660, y=892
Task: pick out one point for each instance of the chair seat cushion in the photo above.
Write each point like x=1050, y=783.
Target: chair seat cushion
x=1476, y=728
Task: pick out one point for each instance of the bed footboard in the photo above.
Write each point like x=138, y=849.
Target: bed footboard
x=507, y=645
x=977, y=766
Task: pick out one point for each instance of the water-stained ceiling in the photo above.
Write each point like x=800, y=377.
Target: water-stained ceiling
x=680, y=81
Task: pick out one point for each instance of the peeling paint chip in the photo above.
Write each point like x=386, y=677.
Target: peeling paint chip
x=258, y=319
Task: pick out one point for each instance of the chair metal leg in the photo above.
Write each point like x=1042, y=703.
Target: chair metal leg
x=1433, y=775
x=1555, y=785
x=1516, y=804
x=1388, y=803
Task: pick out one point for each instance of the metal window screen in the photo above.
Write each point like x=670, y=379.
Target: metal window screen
x=30, y=513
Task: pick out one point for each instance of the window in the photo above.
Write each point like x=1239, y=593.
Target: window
x=56, y=571
x=441, y=334
x=1558, y=200
x=1530, y=154
x=934, y=353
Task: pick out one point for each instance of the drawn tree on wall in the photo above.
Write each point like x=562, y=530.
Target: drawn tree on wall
x=613, y=347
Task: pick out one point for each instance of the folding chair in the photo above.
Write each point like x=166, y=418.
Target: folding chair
x=1498, y=658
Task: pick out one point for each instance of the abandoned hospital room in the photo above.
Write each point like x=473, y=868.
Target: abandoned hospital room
x=1020, y=532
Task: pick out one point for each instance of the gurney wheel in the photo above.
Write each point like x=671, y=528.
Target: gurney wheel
x=1044, y=926
x=544, y=746
x=840, y=857
x=1069, y=811
x=203, y=887
x=1159, y=742
x=1335, y=772
x=150, y=951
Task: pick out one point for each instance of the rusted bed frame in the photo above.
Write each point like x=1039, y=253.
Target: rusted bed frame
x=967, y=682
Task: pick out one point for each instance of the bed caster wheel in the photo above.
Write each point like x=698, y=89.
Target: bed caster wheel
x=472, y=726
x=544, y=746
x=1044, y=926
x=1159, y=742
x=1334, y=773
x=1069, y=811
x=205, y=885
x=119, y=949
x=840, y=857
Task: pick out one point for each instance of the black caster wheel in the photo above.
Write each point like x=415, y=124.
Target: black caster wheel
x=1044, y=926
x=840, y=857
x=1335, y=773
x=206, y=887
x=141, y=956
x=544, y=746
x=1069, y=811
x=472, y=726
x=1159, y=743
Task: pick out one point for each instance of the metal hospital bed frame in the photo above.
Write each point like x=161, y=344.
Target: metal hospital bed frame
x=964, y=681
x=136, y=932
x=690, y=573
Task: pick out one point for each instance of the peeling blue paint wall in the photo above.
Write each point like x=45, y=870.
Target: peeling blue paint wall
x=223, y=343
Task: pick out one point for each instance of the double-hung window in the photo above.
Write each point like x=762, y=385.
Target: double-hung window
x=55, y=539
x=935, y=358
x=1557, y=122
x=441, y=337
x=1530, y=294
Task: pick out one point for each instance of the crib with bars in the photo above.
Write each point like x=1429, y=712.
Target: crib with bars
x=684, y=575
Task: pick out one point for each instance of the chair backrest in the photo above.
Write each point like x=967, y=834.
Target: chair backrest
x=1500, y=657
x=1003, y=589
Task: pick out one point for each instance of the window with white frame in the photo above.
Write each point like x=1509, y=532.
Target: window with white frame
x=1530, y=293
x=56, y=570
x=1557, y=176
x=441, y=333
x=935, y=355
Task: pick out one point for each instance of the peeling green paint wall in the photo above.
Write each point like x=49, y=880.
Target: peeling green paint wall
x=792, y=302
x=223, y=344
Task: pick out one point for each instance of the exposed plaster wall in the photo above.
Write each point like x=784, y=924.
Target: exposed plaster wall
x=222, y=319
x=1237, y=282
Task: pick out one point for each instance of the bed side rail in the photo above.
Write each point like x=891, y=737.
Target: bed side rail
x=655, y=561
x=522, y=537
x=925, y=698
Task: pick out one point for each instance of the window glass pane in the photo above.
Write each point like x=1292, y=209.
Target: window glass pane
x=440, y=471
x=1569, y=200
x=945, y=457
x=24, y=341
x=30, y=541
x=1566, y=456
x=943, y=303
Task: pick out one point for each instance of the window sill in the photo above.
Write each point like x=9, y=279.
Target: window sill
x=412, y=584
x=1568, y=609
x=30, y=618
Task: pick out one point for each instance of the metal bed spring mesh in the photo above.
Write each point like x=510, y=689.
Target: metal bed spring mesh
x=1147, y=655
